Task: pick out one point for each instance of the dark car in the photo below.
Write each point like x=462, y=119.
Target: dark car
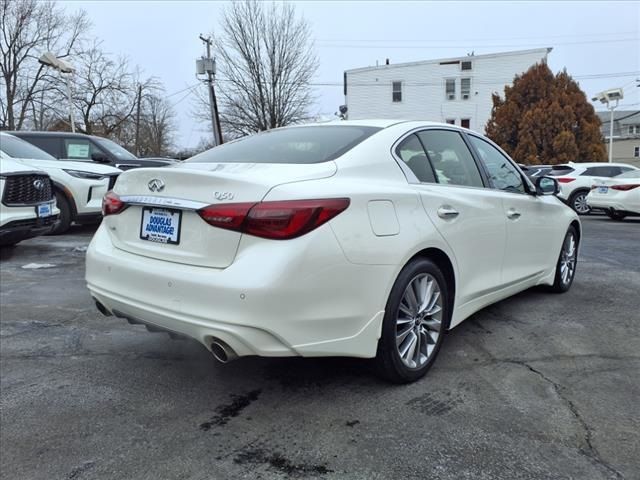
x=78, y=147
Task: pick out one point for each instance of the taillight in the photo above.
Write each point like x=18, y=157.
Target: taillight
x=280, y=220
x=565, y=179
x=111, y=204
x=625, y=188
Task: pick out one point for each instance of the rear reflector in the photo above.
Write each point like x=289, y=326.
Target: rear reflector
x=111, y=204
x=280, y=220
x=625, y=188
x=565, y=179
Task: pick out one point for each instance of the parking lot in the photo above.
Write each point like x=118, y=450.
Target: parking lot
x=537, y=386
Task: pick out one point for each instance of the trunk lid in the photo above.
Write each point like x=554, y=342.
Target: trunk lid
x=186, y=188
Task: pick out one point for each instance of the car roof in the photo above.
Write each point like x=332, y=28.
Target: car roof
x=33, y=133
x=592, y=164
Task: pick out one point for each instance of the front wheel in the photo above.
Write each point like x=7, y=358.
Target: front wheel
x=567, y=261
x=416, y=316
x=64, y=219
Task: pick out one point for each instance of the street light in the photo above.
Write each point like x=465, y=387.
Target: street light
x=608, y=97
x=50, y=60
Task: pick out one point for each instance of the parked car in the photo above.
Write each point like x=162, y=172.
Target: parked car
x=81, y=147
x=619, y=196
x=78, y=187
x=28, y=207
x=357, y=238
x=576, y=179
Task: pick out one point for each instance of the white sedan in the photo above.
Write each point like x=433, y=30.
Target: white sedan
x=619, y=196
x=358, y=238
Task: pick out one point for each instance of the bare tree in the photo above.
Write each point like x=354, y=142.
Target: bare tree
x=30, y=28
x=266, y=63
x=157, y=127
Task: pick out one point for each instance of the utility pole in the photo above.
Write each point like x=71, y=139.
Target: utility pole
x=207, y=65
x=137, y=145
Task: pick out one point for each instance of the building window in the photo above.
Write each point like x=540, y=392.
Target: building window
x=396, y=94
x=634, y=129
x=450, y=88
x=465, y=122
x=636, y=152
x=465, y=88
x=466, y=65
x=451, y=121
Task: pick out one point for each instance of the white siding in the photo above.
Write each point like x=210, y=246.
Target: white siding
x=423, y=88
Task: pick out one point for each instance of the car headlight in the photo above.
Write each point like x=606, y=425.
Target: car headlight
x=85, y=175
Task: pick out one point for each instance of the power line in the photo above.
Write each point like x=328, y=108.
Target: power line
x=472, y=40
x=477, y=45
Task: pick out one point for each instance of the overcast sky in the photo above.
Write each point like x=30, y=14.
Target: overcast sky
x=598, y=42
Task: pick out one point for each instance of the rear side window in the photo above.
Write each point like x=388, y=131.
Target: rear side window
x=604, y=171
x=411, y=152
x=295, y=145
x=50, y=145
x=451, y=159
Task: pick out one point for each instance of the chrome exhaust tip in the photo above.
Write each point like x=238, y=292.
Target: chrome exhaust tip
x=222, y=352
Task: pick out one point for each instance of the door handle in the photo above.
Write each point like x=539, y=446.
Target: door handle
x=513, y=214
x=446, y=211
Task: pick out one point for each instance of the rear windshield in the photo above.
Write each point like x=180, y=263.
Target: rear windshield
x=289, y=145
x=17, y=148
x=559, y=170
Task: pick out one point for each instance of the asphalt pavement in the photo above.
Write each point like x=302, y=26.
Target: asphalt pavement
x=537, y=386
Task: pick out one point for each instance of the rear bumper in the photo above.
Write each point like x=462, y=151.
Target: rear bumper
x=612, y=204
x=295, y=298
x=18, y=230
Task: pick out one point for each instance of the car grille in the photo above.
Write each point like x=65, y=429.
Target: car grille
x=23, y=190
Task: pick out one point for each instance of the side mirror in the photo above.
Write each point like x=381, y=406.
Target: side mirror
x=99, y=157
x=547, y=186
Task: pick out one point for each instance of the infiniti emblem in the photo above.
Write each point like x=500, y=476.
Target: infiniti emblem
x=156, y=185
x=38, y=184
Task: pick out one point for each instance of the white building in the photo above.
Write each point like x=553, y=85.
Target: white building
x=453, y=90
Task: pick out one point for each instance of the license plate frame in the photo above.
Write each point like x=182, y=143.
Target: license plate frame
x=44, y=210
x=603, y=189
x=161, y=237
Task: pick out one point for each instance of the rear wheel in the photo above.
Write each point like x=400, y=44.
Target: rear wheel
x=567, y=261
x=578, y=201
x=64, y=219
x=615, y=215
x=415, y=320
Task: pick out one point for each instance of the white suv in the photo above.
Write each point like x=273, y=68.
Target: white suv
x=576, y=179
x=27, y=207
x=78, y=186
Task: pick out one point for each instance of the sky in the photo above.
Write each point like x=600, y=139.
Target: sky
x=597, y=42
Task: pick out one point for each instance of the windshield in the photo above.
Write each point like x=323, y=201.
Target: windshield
x=17, y=148
x=629, y=174
x=302, y=145
x=117, y=150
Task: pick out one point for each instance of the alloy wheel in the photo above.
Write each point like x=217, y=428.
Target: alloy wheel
x=580, y=204
x=568, y=259
x=419, y=320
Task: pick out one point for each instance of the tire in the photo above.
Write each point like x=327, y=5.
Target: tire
x=568, y=258
x=429, y=325
x=578, y=202
x=615, y=215
x=64, y=218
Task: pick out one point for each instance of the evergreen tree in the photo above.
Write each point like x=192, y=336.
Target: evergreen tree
x=546, y=119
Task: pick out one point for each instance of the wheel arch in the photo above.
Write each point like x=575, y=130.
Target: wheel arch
x=69, y=197
x=444, y=263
